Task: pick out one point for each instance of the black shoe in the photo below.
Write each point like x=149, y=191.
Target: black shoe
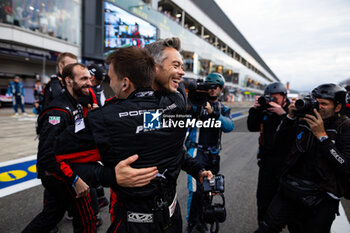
x=102, y=202
x=54, y=230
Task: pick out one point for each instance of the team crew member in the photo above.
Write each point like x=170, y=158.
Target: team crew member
x=317, y=168
x=54, y=87
x=97, y=77
x=119, y=133
x=265, y=119
x=204, y=144
x=96, y=97
x=64, y=189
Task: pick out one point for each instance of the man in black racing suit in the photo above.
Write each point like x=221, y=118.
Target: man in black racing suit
x=64, y=189
x=118, y=130
x=317, y=167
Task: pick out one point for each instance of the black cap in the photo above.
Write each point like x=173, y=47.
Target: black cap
x=97, y=71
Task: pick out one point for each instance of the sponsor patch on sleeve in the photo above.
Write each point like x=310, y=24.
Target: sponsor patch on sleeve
x=54, y=120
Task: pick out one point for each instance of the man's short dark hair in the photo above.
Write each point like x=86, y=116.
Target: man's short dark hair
x=61, y=56
x=157, y=48
x=68, y=71
x=135, y=63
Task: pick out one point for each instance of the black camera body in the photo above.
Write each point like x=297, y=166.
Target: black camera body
x=305, y=106
x=198, y=92
x=214, y=185
x=264, y=101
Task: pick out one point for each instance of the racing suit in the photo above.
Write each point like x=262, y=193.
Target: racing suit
x=269, y=160
x=58, y=178
x=204, y=144
x=52, y=89
x=118, y=131
x=314, y=178
x=96, y=96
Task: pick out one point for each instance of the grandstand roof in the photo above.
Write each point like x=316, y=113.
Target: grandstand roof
x=220, y=18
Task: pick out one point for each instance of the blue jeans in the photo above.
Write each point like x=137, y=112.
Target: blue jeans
x=17, y=100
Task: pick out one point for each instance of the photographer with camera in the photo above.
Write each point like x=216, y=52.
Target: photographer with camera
x=316, y=175
x=204, y=144
x=265, y=116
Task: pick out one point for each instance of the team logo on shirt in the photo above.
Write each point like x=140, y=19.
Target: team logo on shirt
x=151, y=120
x=54, y=120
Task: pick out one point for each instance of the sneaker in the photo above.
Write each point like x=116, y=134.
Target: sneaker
x=69, y=217
x=99, y=221
x=15, y=115
x=102, y=202
x=25, y=114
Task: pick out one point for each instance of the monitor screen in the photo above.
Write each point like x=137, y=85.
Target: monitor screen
x=123, y=29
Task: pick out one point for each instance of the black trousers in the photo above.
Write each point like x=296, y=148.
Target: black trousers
x=121, y=225
x=267, y=188
x=59, y=197
x=297, y=217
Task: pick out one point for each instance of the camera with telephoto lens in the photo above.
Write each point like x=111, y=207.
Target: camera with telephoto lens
x=305, y=106
x=198, y=92
x=214, y=212
x=264, y=101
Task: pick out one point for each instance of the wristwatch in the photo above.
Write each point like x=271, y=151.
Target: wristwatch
x=322, y=138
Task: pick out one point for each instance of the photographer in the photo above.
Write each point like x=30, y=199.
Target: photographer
x=317, y=166
x=204, y=145
x=265, y=117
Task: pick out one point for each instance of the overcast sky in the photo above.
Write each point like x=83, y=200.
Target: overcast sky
x=305, y=42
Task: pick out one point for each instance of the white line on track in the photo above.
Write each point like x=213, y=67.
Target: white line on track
x=19, y=187
x=240, y=117
x=24, y=159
